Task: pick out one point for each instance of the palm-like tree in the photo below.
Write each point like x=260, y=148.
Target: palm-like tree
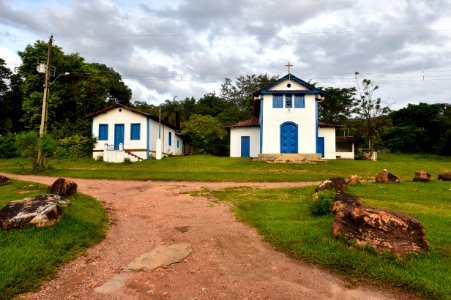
x=173, y=112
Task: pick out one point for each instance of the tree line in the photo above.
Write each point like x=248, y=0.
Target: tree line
x=89, y=87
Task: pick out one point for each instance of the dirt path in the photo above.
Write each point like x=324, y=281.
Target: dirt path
x=229, y=260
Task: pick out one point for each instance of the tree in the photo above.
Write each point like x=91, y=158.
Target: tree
x=10, y=100
x=369, y=110
x=206, y=134
x=240, y=92
x=421, y=128
x=337, y=105
x=89, y=87
x=173, y=112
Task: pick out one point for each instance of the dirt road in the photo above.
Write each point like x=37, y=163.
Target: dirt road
x=229, y=260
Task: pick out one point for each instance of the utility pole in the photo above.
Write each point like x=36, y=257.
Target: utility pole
x=45, y=100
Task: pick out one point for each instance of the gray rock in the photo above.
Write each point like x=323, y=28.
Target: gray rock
x=42, y=210
x=63, y=187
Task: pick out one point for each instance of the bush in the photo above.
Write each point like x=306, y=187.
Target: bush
x=321, y=204
x=75, y=146
x=8, y=146
x=127, y=161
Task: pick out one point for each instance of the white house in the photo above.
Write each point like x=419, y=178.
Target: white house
x=286, y=124
x=123, y=132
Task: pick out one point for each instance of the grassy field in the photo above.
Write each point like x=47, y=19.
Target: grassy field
x=282, y=217
x=210, y=168
x=30, y=255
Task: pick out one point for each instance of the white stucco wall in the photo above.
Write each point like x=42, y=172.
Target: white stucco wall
x=139, y=147
x=235, y=140
x=305, y=118
x=329, y=141
x=282, y=86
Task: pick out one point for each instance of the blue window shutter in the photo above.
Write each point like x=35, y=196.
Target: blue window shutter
x=170, y=138
x=103, y=132
x=277, y=101
x=135, y=131
x=299, y=102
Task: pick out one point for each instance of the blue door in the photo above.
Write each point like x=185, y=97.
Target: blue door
x=320, y=146
x=118, y=135
x=289, y=138
x=245, y=146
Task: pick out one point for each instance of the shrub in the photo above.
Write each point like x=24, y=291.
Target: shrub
x=99, y=158
x=127, y=161
x=321, y=203
x=8, y=146
x=75, y=146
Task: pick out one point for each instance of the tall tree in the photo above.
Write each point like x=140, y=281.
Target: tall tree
x=173, y=112
x=369, y=110
x=88, y=88
x=240, y=92
x=337, y=105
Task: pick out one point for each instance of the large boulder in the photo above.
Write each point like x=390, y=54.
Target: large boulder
x=386, y=177
x=337, y=184
x=353, y=180
x=4, y=180
x=42, y=210
x=445, y=176
x=63, y=187
x=381, y=229
x=422, y=176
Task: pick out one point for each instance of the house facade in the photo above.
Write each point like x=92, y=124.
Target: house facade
x=286, y=123
x=123, y=132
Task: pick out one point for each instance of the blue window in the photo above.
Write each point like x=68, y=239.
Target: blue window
x=135, y=131
x=170, y=138
x=277, y=101
x=103, y=132
x=299, y=102
x=178, y=144
x=288, y=101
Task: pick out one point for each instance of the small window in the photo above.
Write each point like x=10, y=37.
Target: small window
x=288, y=101
x=103, y=132
x=170, y=138
x=299, y=102
x=135, y=131
x=178, y=144
x=277, y=101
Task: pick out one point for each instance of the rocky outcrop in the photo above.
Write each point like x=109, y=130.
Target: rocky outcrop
x=353, y=180
x=385, y=177
x=63, y=187
x=445, y=176
x=381, y=229
x=364, y=226
x=422, y=176
x=337, y=184
x=42, y=210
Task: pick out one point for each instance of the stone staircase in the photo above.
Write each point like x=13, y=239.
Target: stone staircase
x=291, y=158
x=134, y=155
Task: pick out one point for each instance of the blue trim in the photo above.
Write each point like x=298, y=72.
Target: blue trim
x=317, y=126
x=277, y=101
x=103, y=132
x=135, y=131
x=289, y=148
x=148, y=138
x=311, y=88
x=170, y=138
x=119, y=136
x=245, y=146
x=299, y=101
x=303, y=92
x=261, y=126
x=321, y=146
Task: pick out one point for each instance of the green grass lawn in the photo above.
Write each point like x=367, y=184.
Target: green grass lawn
x=211, y=168
x=282, y=217
x=30, y=255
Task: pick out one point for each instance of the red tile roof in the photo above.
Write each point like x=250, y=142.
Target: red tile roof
x=252, y=122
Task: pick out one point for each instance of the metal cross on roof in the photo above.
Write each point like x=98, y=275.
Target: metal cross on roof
x=289, y=67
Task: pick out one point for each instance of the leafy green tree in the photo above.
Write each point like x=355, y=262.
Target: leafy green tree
x=89, y=87
x=369, y=109
x=173, y=112
x=421, y=128
x=206, y=134
x=337, y=105
x=240, y=93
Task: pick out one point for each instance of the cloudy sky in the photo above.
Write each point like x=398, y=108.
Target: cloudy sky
x=186, y=48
